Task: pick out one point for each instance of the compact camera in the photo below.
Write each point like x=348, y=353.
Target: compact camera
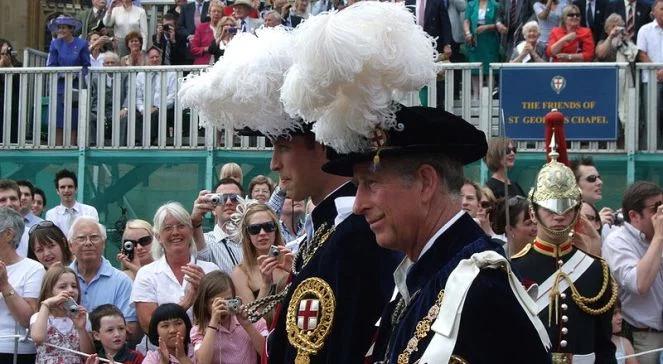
x=619, y=218
x=128, y=249
x=274, y=251
x=70, y=306
x=232, y=30
x=234, y=304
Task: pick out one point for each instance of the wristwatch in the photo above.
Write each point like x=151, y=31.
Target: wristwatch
x=568, y=57
x=8, y=294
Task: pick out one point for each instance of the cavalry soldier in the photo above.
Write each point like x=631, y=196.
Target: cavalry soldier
x=574, y=292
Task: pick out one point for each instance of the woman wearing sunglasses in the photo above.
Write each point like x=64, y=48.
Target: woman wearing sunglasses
x=139, y=233
x=570, y=42
x=501, y=157
x=259, y=229
x=48, y=244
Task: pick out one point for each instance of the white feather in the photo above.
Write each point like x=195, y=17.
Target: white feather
x=242, y=88
x=348, y=67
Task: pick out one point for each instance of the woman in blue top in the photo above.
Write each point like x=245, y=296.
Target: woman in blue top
x=67, y=51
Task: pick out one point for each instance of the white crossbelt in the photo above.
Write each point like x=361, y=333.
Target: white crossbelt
x=573, y=268
x=447, y=323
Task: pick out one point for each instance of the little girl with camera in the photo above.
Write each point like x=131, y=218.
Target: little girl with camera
x=220, y=331
x=61, y=322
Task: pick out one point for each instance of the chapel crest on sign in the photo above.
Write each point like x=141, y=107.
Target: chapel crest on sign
x=558, y=83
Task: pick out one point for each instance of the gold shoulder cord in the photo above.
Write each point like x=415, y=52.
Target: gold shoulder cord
x=581, y=301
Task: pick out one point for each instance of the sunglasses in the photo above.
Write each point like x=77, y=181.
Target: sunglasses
x=508, y=150
x=225, y=197
x=41, y=225
x=486, y=205
x=145, y=240
x=592, y=178
x=575, y=15
x=255, y=229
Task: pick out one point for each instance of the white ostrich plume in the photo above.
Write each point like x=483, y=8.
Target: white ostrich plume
x=350, y=66
x=242, y=88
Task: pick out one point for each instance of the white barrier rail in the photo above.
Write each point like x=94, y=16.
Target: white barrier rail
x=44, y=108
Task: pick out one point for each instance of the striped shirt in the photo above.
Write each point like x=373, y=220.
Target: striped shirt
x=221, y=250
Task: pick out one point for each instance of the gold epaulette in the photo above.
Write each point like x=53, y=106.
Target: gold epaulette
x=522, y=252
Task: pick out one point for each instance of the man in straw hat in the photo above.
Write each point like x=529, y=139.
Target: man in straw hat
x=576, y=294
x=337, y=287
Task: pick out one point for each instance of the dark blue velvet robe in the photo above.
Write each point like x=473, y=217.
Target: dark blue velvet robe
x=493, y=327
x=360, y=274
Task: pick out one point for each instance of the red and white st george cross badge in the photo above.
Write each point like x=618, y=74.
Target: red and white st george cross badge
x=307, y=315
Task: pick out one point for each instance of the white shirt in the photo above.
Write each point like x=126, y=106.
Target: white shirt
x=400, y=275
x=623, y=249
x=171, y=89
x=156, y=283
x=221, y=250
x=30, y=220
x=25, y=277
x=98, y=62
x=124, y=21
x=61, y=219
x=650, y=40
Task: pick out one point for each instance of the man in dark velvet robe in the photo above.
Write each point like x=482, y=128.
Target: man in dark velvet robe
x=410, y=196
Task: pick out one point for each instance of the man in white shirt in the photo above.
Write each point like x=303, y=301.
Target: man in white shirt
x=63, y=215
x=633, y=252
x=158, y=102
x=216, y=246
x=650, y=44
x=27, y=193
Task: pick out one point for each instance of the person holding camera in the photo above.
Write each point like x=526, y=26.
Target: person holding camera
x=136, y=249
x=207, y=40
x=173, y=41
x=221, y=334
x=634, y=253
x=217, y=246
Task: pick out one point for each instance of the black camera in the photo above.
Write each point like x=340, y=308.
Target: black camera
x=234, y=304
x=128, y=249
x=166, y=28
x=232, y=30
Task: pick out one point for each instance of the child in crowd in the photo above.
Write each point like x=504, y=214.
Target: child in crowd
x=169, y=329
x=59, y=322
x=624, y=347
x=221, y=335
x=109, y=328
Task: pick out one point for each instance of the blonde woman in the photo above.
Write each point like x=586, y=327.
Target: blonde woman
x=139, y=233
x=258, y=229
x=232, y=170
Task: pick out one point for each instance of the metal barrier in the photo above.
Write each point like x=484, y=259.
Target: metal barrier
x=34, y=58
x=45, y=103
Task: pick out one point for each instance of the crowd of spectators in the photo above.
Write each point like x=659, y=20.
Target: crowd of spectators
x=175, y=277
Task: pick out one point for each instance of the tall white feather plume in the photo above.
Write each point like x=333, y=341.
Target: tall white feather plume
x=348, y=67
x=242, y=88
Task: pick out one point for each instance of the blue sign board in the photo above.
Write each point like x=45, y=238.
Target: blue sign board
x=586, y=96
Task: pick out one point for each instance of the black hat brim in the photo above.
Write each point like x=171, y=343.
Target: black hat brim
x=343, y=165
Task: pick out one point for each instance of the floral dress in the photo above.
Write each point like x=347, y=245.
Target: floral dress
x=69, y=339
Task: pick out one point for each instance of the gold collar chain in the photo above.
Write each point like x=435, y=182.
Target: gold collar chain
x=421, y=330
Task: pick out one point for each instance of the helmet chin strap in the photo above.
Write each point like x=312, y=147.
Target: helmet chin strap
x=557, y=236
